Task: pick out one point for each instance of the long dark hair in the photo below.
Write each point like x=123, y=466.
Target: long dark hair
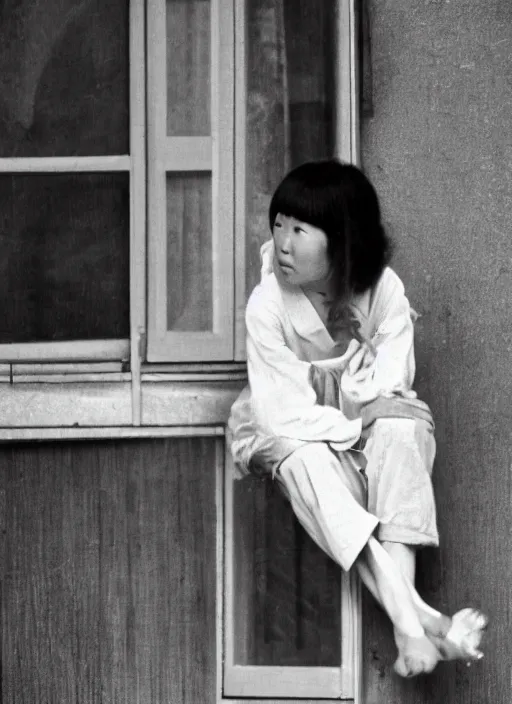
x=340, y=200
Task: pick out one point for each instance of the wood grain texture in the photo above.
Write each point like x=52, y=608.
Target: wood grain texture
x=204, y=330
x=138, y=198
x=292, y=614
x=51, y=586
x=109, y=572
x=437, y=148
x=289, y=117
x=188, y=67
x=189, y=252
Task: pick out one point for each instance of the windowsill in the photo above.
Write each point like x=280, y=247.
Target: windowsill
x=113, y=401
x=107, y=433
x=59, y=377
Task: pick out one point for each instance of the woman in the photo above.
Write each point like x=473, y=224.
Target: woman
x=330, y=410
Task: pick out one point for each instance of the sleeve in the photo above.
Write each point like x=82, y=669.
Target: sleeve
x=390, y=369
x=283, y=399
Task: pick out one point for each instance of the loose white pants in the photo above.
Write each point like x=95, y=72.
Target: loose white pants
x=342, y=498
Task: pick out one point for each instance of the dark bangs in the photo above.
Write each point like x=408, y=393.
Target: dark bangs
x=340, y=200
x=310, y=194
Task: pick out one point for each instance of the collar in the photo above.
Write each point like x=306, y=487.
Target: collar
x=303, y=316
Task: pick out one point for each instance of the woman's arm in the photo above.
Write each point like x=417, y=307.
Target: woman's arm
x=283, y=399
x=388, y=371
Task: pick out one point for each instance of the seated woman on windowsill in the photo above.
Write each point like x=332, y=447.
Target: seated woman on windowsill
x=330, y=411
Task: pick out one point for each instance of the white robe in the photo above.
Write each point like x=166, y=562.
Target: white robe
x=279, y=410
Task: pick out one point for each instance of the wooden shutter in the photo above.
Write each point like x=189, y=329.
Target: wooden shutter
x=190, y=180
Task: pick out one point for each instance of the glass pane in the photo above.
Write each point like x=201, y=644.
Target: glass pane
x=63, y=78
x=189, y=252
x=64, y=265
x=290, y=102
x=287, y=591
x=188, y=68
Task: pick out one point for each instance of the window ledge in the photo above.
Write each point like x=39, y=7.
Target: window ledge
x=109, y=403
x=128, y=432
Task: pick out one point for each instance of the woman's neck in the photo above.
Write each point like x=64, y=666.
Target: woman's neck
x=324, y=289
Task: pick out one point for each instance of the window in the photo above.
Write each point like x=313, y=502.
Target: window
x=291, y=617
x=292, y=626
x=256, y=87
x=140, y=143
x=66, y=187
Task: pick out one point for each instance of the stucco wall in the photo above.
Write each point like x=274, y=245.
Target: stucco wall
x=438, y=147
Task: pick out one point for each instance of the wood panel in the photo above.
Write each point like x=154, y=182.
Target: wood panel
x=109, y=572
x=51, y=585
x=189, y=336
x=436, y=149
x=282, y=634
x=292, y=614
x=188, y=67
x=286, y=105
x=189, y=252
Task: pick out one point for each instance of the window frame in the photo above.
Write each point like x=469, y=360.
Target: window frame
x=133, y=164
x=212, y=154
x=149, y=345
x=299, y=683
x=271, y=683
x=347, y=143
x=42, y=383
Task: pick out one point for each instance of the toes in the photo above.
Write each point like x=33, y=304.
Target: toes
x=471, y=619
x=411, y=666
x=401, y=668
x=468, y=621
x=481, y=621
x=416, y=656
x=463, y=639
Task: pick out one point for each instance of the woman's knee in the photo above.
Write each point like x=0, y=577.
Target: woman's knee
x=316, y=469
x=294, y=473
x=303, y=460
x=404, y=435
x=405, y=430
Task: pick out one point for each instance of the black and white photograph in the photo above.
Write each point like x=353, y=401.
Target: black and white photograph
x=255, y=351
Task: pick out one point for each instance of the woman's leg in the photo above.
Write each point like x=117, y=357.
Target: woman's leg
x=404, y=556
x=400, y=454
x=456, y=638
x=326, y=492
x=416, y=652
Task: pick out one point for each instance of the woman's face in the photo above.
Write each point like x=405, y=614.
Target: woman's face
x=301, y=252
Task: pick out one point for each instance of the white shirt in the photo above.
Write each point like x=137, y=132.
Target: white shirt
x=285, y=336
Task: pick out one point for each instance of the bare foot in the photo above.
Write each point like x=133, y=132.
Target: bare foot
x=415, y=655
x=435, y=623
x=463, y=638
